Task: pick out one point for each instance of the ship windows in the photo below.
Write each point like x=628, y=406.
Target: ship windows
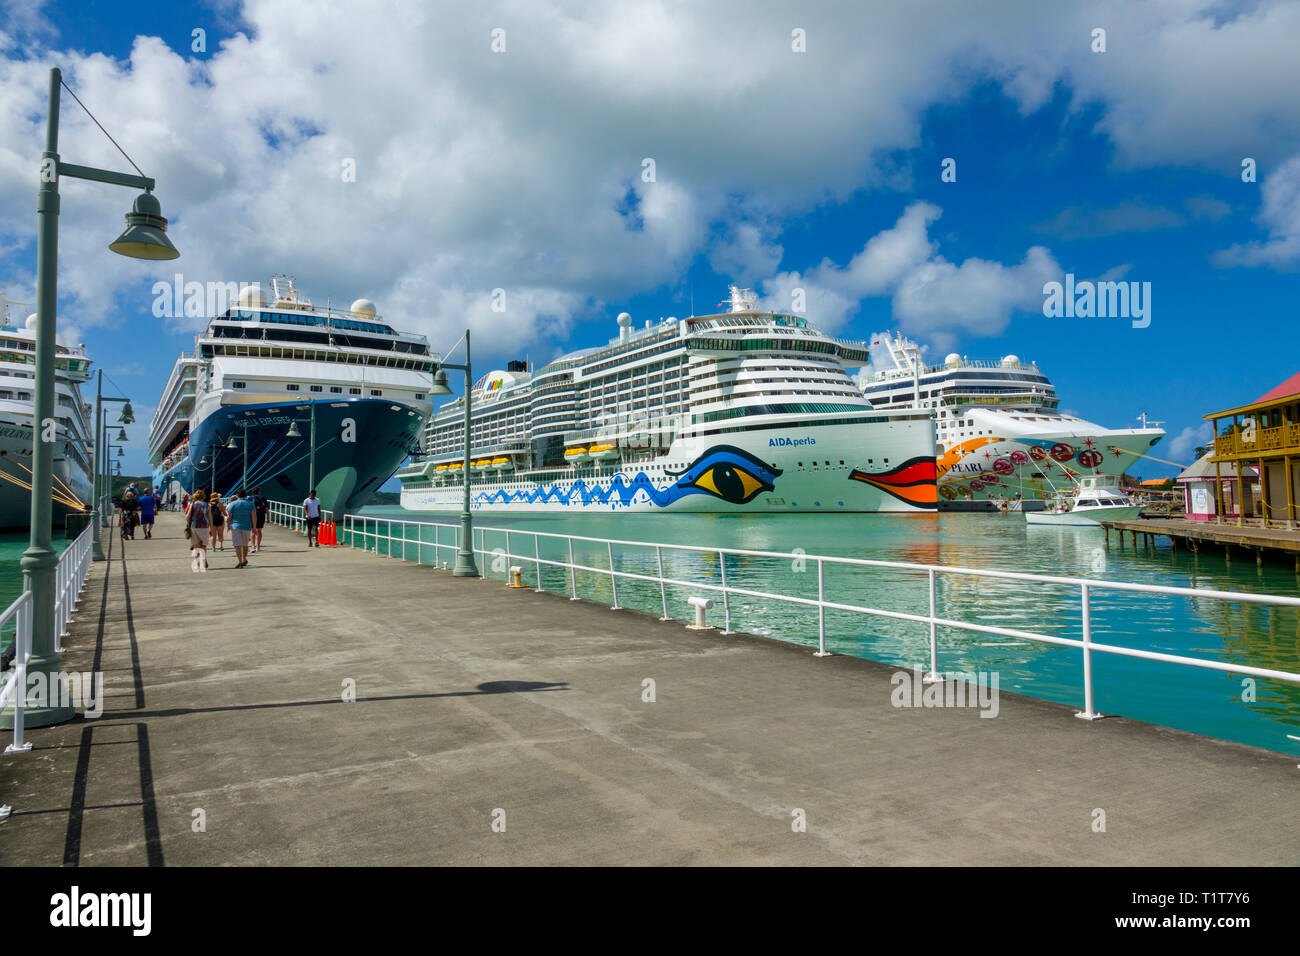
x=238, y=384
x=316, y=388
x=292, y=387
x=354, y=391
x=376, y=391
x=336, y=389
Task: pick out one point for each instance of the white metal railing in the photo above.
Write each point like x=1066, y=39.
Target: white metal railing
x=291, y=516
x=363, y=532
x=20, y=613
x=69, y=579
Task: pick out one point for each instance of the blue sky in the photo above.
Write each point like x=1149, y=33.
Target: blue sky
x=522, y=169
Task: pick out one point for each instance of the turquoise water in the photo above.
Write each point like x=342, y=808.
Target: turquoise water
x=1204, y=702
x=12, y=546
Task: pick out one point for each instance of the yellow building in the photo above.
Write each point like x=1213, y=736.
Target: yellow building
x=1263, y=435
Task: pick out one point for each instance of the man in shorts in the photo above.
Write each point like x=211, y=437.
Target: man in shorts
x=242, y=512
x=263, y=507
x=148, y=506
x=311, y=511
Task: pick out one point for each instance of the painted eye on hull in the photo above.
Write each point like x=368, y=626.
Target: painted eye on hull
x=729, y=473
x=730, y=483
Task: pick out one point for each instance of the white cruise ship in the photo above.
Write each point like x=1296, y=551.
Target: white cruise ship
x=241, y=408
x=743, y=411
x=72, y=488
x=998, y=428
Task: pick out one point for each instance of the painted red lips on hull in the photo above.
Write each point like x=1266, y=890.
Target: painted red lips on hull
x=914, y=481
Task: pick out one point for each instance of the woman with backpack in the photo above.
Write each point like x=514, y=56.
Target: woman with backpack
x=218, y=512
x=198, y=523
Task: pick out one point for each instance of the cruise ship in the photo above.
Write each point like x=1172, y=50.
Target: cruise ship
x=999, y=431
x=741, y=411
x=270, y=373
x=72, y=478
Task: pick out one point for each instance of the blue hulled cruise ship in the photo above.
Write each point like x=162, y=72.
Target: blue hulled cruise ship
x=280, y=394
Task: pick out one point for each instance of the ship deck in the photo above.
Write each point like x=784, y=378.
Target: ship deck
x=225, y=695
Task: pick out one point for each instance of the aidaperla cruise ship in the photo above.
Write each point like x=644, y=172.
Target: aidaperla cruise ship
x=740, y=411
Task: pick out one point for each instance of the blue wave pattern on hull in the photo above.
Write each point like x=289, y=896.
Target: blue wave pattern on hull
x=723, y=471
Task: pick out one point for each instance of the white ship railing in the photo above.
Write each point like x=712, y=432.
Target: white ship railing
x=69, y=580
x=365, y=533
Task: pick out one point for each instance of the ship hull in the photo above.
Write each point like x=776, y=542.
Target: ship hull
x=359, y=444
x=15, y=500
x=1034, y=466
x=796, y=467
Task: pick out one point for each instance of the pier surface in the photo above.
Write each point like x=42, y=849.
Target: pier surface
x=225, y=739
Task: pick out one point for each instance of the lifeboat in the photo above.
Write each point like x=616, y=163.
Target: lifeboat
x=502, y=463
x=603, y=452
x=576, y=454
x=455, y=466
x=482, y=464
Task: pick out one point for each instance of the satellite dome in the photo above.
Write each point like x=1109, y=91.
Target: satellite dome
x=363, y=307
x=30, y=324
x=624, y=320
x=1011, y=361
x=952, y=361
x=252, y=297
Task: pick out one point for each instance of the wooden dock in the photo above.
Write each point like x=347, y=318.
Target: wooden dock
x=1259, y=541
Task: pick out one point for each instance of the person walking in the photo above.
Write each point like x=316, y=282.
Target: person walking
x=148, y=506
x=196, y=523
x=130, y=514
x=263, y=506
x=243, y=515
x=218, y=511
x=311, y=511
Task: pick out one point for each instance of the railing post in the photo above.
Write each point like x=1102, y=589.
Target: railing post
x=613, y=581
x=573, y=573
x=509, y=556
x=726, y=599
x=537, y=560
x=1087, y=713
x=934, y=677
x=437, y=544
x=821, y=612
x=663, y=588
x=22, y=648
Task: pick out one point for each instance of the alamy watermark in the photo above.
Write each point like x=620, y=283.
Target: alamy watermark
x=76, y=689
x=1101, y=300
x=178, y=298
x=958, y=689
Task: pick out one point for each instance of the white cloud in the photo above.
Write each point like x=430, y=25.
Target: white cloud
x=1182, y=447
x=1280, y=215
x=932, y=297
x=522, y=170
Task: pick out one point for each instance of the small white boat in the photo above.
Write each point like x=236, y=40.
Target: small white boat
x=1097, y=499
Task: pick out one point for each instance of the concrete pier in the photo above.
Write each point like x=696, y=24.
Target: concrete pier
x=226, y=739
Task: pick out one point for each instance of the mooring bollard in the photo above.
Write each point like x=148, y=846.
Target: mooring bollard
x=516, y=577
x=701, y=604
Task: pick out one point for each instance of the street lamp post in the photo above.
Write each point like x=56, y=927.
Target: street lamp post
x=465, y=567
x=144, y=238
x=294, y=433
x=230, y=446
x=100, y=476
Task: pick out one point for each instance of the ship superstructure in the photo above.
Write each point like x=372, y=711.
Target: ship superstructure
x=998, y=426
x=267, y=371
x=737, y=411
x=74, y=430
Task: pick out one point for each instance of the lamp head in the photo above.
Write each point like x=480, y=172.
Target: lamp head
x=145, y=236
x=440, y=386
x=120, y=453
x=293, y=431
x=230, y=442
x=121, y=434
x=128, y=416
